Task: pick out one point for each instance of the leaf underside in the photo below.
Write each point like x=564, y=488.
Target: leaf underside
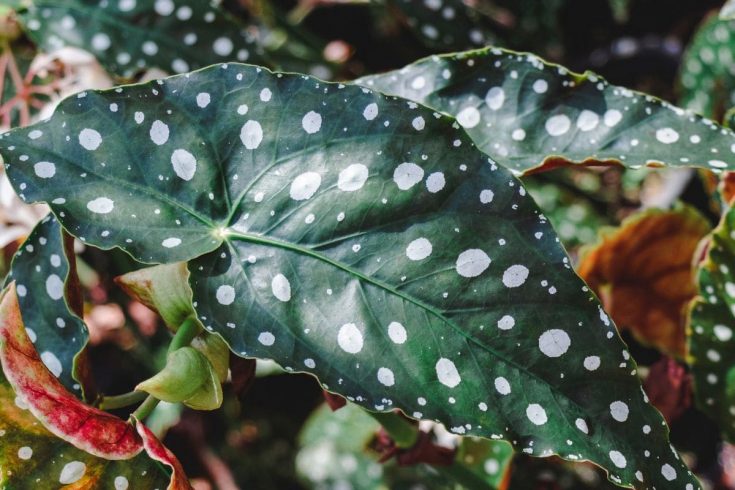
x=531, y=116
x=710, y=330
x=85, y=427
x=128, y=36
x=358, y=237
x=45, y=278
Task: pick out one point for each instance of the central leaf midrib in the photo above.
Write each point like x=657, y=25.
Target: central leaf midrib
x=262, y=240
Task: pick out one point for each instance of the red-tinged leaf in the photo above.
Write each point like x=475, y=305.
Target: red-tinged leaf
x=669, y=386
x=85, y=427
x=162, y=454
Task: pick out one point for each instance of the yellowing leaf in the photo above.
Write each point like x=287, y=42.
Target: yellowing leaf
x=643, y=273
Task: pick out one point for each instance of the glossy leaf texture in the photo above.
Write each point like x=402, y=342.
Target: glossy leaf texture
x=85, y=427
x=710, y=331
x=49, y=295
x=128, y=36
x=347, y=437
x=707, y=85
x=32, y=456
x=358, y=237
x=644, y=273
x=530, y=115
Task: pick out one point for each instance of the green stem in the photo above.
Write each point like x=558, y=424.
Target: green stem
x=145, y=408
x=121, y=401
x=404, y=433
x=185, y=334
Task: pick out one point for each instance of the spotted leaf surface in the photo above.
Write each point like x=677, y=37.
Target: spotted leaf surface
x=710, y=332
x=707, y=84
x=346, y=436
x=86, y=428
x=361, y=238
x=51, y=304
x=447, y=24
x=530, y=115
x=643, y=272
x=728, y=10
x=128, y=36
x=31, y=456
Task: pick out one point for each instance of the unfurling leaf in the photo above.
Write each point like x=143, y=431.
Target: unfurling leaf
x=360, y=238
x=710, y=329
x=643, y=273
x=162, y=454
x=86, y=428
x=162, y=288
x=188, y=377
x=531, y=116
x=50, y=299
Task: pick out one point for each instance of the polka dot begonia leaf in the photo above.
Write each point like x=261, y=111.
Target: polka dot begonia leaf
x=48, y=437
x=710, y=330
x=530, y=115
x=447, y=24
x=44, y=269
x=706, y=81
x=360, y=238
x=346, y=436
x=128, y=36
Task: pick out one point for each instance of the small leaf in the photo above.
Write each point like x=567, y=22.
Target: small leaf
x=710, y=330
x=188, y=377
x=706, y=82
x=128, y=36
x=49, y=295
x=643, y=273
x=162, y=288
x=531, y=116
x=87, y=428
x=360, y=238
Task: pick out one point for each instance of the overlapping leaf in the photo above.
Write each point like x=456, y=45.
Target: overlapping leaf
x=643, y=272
x=706, y=80
x=48, y=437
x=530, y=115
x=336, y=448
x=710, y=331
x=51, y=303
x=131, y=35
x=361, y=238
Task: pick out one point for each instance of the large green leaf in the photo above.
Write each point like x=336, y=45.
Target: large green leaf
x=710, y=330
x=47, y=285
x=336, y=448
x=530, y=115
x=358, y=237
x=130, y=35
x=707, y=83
